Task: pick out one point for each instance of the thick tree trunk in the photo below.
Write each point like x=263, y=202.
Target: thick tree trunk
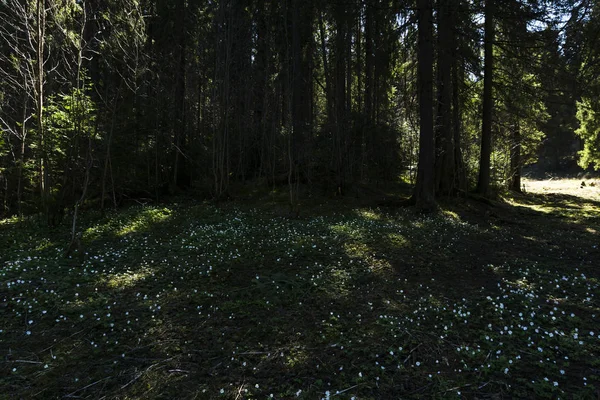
x=444, y=162
x=301, y=93
x=180, y=91
x=459, y=166
x=341, y=116
x=483, y=184
x=424, y=194
x=367, y=110
x=221, y=139
x=260, y=86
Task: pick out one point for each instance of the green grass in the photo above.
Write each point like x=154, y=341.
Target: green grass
x=195, y=301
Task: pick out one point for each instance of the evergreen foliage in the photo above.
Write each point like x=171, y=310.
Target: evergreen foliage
x=167, y=97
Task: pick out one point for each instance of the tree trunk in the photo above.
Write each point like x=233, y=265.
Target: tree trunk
x=515, y=158
x=180, y=89
x=340, y=97
x=424, y=194
x=22, y=156
x=366, y=130
x=459, y=166
x=107, y=159
x=260, y=84
x=326, y=71
x=444, y=140
x=483, y=184
x=221, y=139
x=301, y=94
x=41, y=32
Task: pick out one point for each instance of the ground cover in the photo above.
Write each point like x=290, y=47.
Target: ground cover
x=240, y=302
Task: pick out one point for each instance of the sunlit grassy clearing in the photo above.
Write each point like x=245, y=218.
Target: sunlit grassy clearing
x=591, y=190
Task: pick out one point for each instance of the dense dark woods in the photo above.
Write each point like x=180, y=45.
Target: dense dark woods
x=104, y=101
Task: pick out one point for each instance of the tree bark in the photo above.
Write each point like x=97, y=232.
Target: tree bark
x=459, y=165
x=326, y=70
x=341, y=115
x=41, y=32
x=483, y=184
x=444, y=162
x=515, y=157
x=22, y=154
x=301, y=94
x=424, y=194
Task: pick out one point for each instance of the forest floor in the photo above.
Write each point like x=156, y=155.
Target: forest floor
x=237, y=301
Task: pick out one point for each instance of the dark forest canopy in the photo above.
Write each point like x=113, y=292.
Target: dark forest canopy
x=101, y=100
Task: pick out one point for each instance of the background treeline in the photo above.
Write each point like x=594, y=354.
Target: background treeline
x=104, y=100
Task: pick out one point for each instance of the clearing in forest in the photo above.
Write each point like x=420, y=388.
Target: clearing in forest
x=234, y=302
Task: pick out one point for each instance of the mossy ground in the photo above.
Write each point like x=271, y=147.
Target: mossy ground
x=240, y=302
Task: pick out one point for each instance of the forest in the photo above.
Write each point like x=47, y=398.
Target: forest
x=252, y=199
x=104, y=101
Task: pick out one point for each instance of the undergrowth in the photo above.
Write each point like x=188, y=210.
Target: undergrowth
x=198, y=301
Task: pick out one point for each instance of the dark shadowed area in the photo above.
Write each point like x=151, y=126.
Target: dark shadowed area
x=197, y=301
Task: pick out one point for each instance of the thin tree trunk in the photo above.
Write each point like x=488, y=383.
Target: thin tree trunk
x=41, y=31
x=483, y=184
x=369, y=63
x=328, y=96
x=515, y=158
x=22, y=156
x=107, y=159
x=88, y=167
x=358, y=65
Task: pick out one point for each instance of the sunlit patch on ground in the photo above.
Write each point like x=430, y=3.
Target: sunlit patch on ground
x=572, y=187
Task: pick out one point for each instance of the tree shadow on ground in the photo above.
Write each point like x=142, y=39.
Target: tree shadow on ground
x=369, y=302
